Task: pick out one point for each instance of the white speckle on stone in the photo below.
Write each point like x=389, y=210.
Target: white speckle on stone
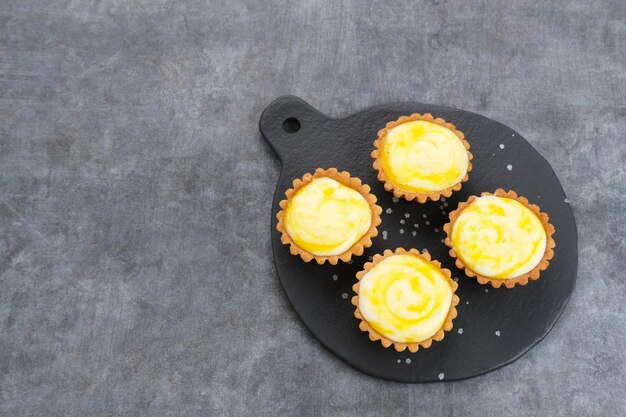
x=427, y=223
x=344, y=295
x=486, y=289
x=445, y=204
x=502, y=146
x=509, y=167
x=498, y=333
x=436, y=230
x=384, y=235
x=416, y=225
x=389, y=211
x=513, y=134
x=401, y=221
x=399, y=360
x=493, y=154
x=408, y=360
x=456, y=279
x=442, y=199
x=467, y=303
x=407, y=215
x=460, y=331
x=424, y=215
x=566, y=200
x=395, y=200
x=401, y=231
x=414, y=233
x=441, y=207
x=335, y=277
x=442, y=241
x=441, y=376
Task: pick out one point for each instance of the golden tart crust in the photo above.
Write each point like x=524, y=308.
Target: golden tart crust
x=399, y=192
x=399, y=346
x=523, y=279
x=343, y=178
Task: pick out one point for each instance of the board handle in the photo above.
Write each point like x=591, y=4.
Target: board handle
x=287, y=123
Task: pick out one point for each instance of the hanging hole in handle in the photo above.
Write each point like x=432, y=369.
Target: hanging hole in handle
x=291, y=125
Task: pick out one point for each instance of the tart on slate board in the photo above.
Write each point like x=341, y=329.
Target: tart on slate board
x=420, y=157
x=404, y=299
x=328, y=216
x=500, y=239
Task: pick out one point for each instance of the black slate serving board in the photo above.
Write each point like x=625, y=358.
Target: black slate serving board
x=494, y=326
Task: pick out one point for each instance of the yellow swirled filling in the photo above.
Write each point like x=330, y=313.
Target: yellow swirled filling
x=405, y=298
x=498, y=237
x=326, y=218
x=423, y=157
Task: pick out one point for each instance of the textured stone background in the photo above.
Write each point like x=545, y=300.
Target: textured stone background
x=136, y=275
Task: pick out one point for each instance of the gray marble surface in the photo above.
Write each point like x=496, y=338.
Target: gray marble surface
x=136, y=275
